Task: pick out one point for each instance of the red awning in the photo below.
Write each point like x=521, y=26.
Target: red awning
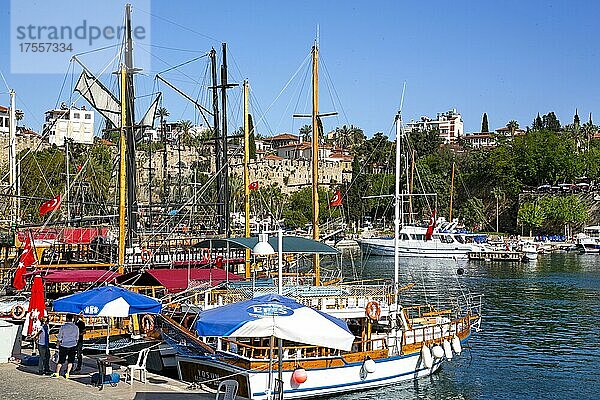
x=176, y=279
x=80, y=276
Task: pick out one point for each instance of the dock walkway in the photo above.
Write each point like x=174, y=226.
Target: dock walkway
x=20, y=382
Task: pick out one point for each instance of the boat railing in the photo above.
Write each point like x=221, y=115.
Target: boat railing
x=323, y=298
x=296, y=352
x=421, y=333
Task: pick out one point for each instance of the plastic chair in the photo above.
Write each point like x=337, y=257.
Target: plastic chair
x=140, y=365
x=230, y=389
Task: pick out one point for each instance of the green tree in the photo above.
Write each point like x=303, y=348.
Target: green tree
x=425, y=142
x=537, y=123
x=484, y=124
x=472, y=213
x=551, y=122
x=531, y=215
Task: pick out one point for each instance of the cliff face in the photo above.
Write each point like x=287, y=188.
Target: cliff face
x=592, y=200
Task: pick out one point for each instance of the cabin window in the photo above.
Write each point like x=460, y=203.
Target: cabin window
x=88, y=116
x=75, y=115
x=1, y=122
x=446, y=239
x=404, y=236
x=419, y=237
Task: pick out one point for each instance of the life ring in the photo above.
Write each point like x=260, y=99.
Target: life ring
x=147, y=323
x=373, y=310
x=205, y=255
x=18, y=311
x=146, y=255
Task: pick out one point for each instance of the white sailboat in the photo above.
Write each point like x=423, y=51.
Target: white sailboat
x=444, y=240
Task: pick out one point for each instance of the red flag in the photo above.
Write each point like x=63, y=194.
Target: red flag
x=430, y=227
x=79, y=166
x=336, y=200
x=50, y=205
x=26, y=260
x=253, y=185
x=37, y=305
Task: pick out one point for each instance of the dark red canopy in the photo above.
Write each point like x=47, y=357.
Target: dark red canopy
x=80, y=276
x=176, y=279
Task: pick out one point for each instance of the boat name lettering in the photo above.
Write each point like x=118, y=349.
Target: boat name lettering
x=269, y=310
x=91, y=310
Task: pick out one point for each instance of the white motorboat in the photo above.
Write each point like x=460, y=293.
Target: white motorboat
x=589, y=240
x=412, y=243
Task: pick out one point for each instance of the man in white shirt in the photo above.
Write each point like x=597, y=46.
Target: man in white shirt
x=42, y=336
x=68, y=335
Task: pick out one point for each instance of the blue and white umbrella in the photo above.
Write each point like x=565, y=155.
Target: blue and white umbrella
x=107, y=301
x=277, y=316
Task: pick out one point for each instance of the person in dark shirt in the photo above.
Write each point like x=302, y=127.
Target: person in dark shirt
x=81, y=325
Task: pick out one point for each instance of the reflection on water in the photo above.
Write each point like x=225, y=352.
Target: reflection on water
x=540, y=336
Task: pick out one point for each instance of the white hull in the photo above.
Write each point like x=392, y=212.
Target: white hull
x=320, y=382
x=416, y=248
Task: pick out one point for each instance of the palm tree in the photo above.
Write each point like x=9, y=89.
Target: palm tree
x=19, y=115
x=512, y=127
x=305, y=132
x=162, y=113
x=186, y=127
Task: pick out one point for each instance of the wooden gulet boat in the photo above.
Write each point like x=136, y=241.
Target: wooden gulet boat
x=377, y=359
x=404, y=343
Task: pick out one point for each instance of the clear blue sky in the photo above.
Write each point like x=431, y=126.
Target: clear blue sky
x=510, y=59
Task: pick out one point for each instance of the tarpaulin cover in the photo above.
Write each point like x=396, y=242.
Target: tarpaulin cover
x=107, y=301
x=278, y=316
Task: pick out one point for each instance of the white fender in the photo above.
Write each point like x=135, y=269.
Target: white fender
x=437, y=351
x=447, y=349
x=456, y=345
x=426, y=357
x=369, y=365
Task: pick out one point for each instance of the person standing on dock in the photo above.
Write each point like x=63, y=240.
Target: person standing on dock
x=42, y=336
x=81, y=326
x=68, y=336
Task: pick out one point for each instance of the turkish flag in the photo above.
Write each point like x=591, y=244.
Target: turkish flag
x=336, y=200
x=253, y=185
x=50, y=205
x=37, y=306
x=430, y=227
x=26, y=259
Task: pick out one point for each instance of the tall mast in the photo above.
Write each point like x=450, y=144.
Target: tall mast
x=315, y=156
x=130, y=124
x=246, y=175
x=224, y=165
x=218, y=154
x=68, y=170
x=397, y=201
x=122, y=170
x=410, y=186
x=451, y=192
x=12, y=135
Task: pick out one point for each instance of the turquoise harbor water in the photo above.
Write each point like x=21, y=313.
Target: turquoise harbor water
x=540, y=336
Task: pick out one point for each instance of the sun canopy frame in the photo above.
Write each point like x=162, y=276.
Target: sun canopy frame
x=290, y=245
